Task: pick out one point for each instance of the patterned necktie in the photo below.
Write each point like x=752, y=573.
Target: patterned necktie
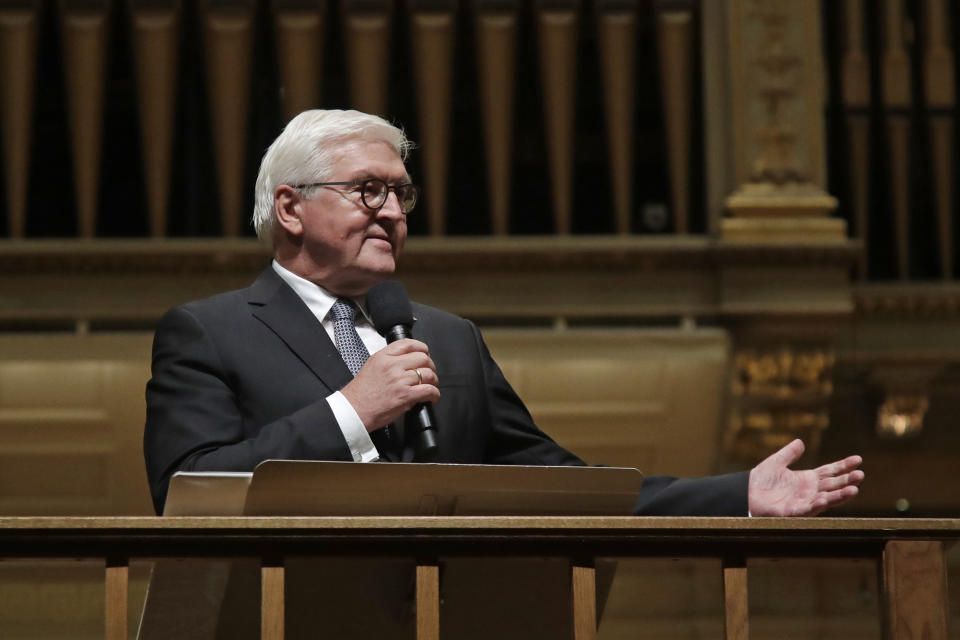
x=354, y=354
x=349, y=344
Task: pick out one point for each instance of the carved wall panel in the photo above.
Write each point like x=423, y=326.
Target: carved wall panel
x=640, y=398
x=71, y=425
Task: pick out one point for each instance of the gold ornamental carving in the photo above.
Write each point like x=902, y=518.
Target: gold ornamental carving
x=783, y=373
x=778, y=394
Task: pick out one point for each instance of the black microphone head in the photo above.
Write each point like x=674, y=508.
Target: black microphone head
x=389, y=306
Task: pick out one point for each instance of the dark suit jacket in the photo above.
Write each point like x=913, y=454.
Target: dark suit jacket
x=243, y=377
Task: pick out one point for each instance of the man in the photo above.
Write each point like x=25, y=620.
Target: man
x=256, y=374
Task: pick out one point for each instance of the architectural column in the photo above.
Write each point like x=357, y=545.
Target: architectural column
x=557, y=34
x=18, y=44
x=496, y=34
x=228, y=48
x=299, y=27
x=366, y=29
x=84, y=27
x=785, y=265
x=432, y=27
x=156, y=35
x=776, y=94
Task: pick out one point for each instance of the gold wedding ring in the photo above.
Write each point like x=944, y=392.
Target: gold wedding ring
x=419, y=377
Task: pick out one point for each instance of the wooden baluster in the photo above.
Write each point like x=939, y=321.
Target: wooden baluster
x=367, y=34
x=84, y=24
x=496, y=33
x=272, y=602
x=432, y=25
x=617, y=26
x=896, y=99
x=299, y=28
x=583, y=595
x=18, y=44
x=228, y=43
x=675, y=45
x=914, y=590
x=736, y=608
x=940, y=94
x=557, y=33
x=116, y=590
x=856, y=100
x=155, y=44
x=428, y=601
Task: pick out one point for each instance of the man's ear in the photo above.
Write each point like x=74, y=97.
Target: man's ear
x=287, y=208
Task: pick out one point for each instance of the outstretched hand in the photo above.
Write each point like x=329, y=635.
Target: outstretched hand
x=776, y=490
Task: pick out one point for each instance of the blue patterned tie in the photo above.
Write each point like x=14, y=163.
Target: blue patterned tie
x=349, y=344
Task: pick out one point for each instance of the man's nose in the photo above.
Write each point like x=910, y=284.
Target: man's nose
x=391, y=208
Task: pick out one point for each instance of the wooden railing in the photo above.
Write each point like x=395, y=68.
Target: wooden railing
x=910, y=554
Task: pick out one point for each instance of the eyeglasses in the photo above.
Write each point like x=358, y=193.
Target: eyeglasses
x=374, y=192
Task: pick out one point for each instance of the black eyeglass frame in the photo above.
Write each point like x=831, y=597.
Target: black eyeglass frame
x=415, y=190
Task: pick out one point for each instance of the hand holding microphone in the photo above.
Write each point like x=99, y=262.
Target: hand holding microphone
x=392, y=316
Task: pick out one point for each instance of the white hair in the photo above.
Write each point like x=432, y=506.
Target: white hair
x=303, y=153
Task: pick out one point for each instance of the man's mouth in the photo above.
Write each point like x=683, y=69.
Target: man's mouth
x=381, y=240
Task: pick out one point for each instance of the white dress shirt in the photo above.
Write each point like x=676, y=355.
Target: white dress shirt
x=320, y=301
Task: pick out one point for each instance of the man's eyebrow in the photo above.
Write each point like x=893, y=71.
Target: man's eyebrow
x=367, y=175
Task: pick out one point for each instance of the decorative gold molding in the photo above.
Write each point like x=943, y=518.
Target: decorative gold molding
x=914, y=301
x=33, y=257
x=778, y=394
x=586, y=279
x=760, y=221
x=782, y=373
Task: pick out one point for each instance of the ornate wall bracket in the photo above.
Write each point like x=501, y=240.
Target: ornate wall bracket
x=906, y=397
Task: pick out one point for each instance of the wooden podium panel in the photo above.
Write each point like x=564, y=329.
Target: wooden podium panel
x=309, y=488
x=371, y=596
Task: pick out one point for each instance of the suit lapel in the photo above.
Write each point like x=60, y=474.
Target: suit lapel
x=277, y=306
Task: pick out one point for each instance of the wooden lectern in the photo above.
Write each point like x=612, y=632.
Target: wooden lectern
x=367, y=595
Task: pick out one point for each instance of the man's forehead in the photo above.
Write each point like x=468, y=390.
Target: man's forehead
x=359, y=148
x=361, y=159
x=373, y=156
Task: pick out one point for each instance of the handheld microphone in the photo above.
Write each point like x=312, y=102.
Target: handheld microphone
x=392, y=316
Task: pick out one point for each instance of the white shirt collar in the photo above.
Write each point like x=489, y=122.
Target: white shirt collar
x=317, y=299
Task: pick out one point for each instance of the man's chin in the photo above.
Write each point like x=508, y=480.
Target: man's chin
x=365, y=278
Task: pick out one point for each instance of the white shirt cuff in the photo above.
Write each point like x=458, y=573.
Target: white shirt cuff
x=356, y=435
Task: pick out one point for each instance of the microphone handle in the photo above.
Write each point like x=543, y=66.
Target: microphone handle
x=421, y=414
x=426, y=432
x=397, y=332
